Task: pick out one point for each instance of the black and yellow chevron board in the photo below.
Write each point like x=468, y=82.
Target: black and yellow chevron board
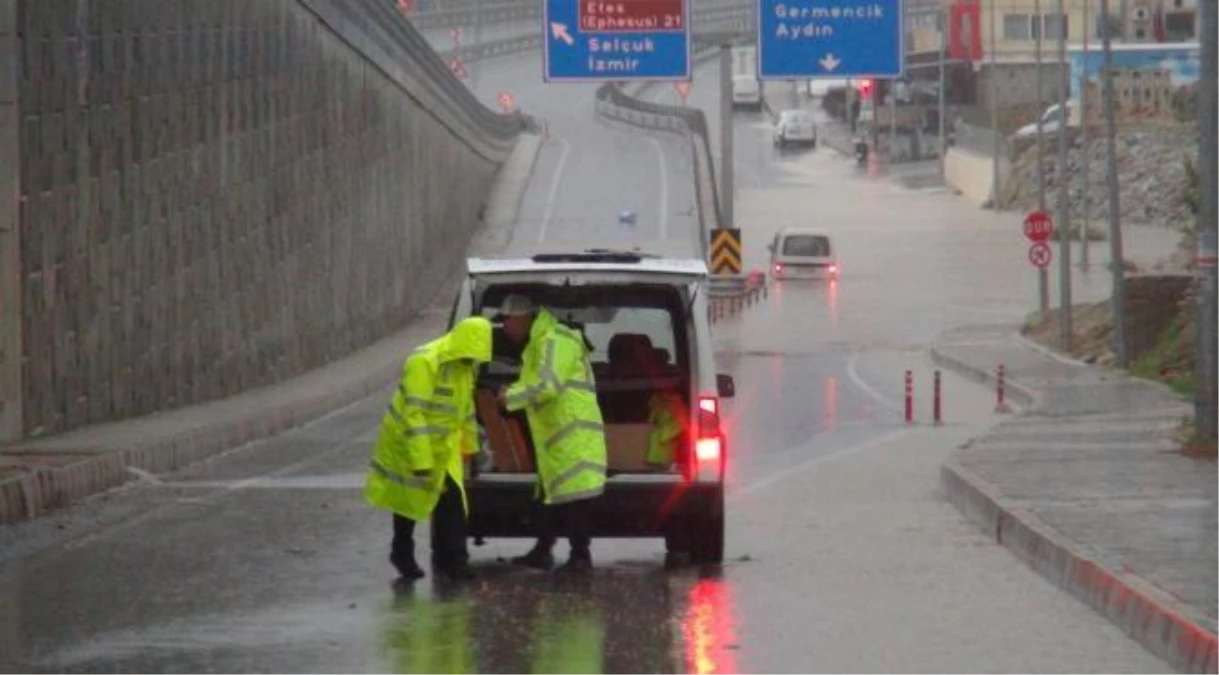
x=725, y=251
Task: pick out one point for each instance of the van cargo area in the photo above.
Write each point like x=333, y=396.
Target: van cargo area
x=640, y=344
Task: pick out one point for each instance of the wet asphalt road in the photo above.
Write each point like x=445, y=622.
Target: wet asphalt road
x=842, y=554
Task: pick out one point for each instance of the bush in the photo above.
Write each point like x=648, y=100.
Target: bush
x=1193, y=185
x=1095, y=233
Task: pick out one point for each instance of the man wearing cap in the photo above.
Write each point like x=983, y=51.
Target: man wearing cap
x=557, y=391
x=427, y=433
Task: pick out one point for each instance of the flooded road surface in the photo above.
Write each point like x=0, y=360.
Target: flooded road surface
x=842, y=555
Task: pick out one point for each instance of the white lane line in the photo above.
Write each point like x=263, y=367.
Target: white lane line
x=555, y=182
x=664, y=190
x=791, y=471
x=853, y=373
x=236, y=486
x=143, y=475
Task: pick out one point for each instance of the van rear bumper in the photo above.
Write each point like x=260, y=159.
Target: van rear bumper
x=626, y=509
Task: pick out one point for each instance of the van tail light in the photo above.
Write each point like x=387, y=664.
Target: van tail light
x=709, y=443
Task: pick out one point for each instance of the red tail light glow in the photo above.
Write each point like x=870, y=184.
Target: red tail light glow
x=707, y=449
x=709, y=443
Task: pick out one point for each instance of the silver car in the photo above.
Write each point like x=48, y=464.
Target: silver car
x=795, y=127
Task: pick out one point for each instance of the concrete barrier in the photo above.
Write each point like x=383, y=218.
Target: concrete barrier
x=970, y=173
x=263, y=188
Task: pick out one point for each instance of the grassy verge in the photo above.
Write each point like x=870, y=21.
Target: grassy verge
x=1171, y=359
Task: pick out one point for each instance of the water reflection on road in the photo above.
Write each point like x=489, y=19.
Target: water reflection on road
x=624, y=619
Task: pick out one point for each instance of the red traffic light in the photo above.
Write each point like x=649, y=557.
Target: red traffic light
x=865, y=88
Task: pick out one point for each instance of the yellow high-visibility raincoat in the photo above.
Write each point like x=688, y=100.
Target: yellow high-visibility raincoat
x=430, y=423
x=557, y=391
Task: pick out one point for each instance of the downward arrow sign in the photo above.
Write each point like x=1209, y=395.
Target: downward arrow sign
x=560, y=33
x=829, y=62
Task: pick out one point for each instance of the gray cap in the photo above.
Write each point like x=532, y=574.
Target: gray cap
x=516, y=305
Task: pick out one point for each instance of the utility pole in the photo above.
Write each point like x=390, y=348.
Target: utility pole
x=478, y=40
x=1205, y=319
x=994, y=96
x=726, y=134
x=892, y=118
x=1118, y=264
x=1043, y=274
x=943, y=21
x=1085, y=166
x=1063, y=206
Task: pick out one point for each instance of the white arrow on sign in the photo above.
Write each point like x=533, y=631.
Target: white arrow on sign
x=829, y=62
x=560, y=33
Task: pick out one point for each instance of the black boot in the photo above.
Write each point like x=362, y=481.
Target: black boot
x=577, y=566
x=459, y=572
x=408, y=569
x=538, y=559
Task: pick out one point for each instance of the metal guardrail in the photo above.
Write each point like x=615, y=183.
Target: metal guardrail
x=508, y=10
x=379, y=31
x=707, y=22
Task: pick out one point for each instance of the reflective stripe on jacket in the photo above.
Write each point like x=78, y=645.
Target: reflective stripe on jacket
x=429, y=424
x=557, y=391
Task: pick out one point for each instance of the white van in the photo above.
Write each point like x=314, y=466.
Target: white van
x=799, y=253
x=645, y=319
x=746, y=92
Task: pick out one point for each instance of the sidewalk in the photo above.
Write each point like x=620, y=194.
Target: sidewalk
x=44, y=474
x=1088, y=487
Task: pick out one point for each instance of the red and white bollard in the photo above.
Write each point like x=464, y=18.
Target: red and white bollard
x=1001, y=405
x=936, y=407
x=909, y=397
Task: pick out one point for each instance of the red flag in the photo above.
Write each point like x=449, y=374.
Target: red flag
x=965, y=30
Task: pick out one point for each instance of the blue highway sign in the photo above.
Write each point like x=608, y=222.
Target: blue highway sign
x=829, y=38
x=616, y=40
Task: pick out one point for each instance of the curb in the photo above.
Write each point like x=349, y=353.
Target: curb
x=1015, y=392
x=29, y=495
x=1050, y=353
x=1153, y=618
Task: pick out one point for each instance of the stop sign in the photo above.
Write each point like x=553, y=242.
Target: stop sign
x=1038, y=226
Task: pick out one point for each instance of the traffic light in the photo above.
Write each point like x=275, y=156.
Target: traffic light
x=865, y=89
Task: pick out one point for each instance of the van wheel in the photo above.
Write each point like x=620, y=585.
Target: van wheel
x=707, y=534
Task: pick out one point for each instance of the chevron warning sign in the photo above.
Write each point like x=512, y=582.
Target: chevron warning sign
x=725, y=251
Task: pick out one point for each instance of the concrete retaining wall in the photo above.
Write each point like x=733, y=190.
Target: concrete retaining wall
x=970, y=173
x=200, y=197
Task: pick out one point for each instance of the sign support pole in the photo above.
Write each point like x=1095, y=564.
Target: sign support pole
x=726, y=158
x=1063, y=207
x=1205, y=421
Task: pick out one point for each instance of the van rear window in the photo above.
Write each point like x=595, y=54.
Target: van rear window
x=615, y=320
x=813, y=246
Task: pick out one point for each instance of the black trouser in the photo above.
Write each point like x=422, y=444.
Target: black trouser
x=448, y=533
x=572, y=518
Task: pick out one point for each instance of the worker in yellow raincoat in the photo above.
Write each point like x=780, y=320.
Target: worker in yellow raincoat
x=417, y=470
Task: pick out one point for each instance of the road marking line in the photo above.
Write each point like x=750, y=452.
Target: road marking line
x=143, y=475
x=555, y=182
x=122, y=526
x=664, y=190
x=806, y=465
x=867, y=388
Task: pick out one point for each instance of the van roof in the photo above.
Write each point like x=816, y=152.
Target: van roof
x=804, y=230
x=590, y=260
